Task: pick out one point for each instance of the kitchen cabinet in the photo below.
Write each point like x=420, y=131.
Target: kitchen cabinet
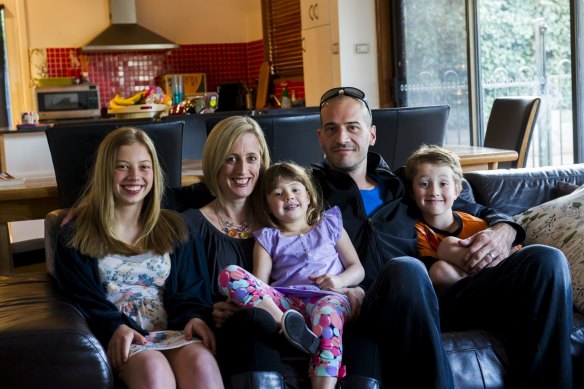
x=315, y=13
x=339, y=56
x=320, y=52
x=318, y=62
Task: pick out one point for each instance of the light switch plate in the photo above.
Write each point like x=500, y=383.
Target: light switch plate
x=362, y=48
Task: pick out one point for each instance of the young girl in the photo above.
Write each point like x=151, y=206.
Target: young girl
x=131, y=269
x=306, y=255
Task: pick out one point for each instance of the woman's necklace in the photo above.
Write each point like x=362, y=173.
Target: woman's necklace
x=241, y=231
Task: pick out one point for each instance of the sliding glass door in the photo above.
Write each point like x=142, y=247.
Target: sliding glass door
x=466, y=54
x=525, y=50
x=432, y=60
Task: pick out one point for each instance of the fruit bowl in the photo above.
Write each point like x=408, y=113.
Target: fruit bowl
x=138, y=111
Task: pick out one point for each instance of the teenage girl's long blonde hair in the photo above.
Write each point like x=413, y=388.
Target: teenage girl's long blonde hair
x=96, y=228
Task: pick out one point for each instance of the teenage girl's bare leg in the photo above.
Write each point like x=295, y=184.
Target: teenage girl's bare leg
x=148, y=369
x=194, y=366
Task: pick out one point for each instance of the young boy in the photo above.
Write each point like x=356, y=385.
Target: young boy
x=435, y=177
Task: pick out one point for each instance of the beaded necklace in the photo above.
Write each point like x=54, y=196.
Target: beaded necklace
x=241, y=231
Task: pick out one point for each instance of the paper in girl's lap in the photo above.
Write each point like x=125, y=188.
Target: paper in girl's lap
x=162, y=340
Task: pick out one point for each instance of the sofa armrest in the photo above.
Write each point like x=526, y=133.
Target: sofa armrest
x=52, y=225
x=45, y=341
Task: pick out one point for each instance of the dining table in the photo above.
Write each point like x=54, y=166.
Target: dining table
x=37, y=196
x=474, y=158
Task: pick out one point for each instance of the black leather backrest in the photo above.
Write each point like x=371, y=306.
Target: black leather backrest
x=294, y=138
x=513, y=191
x=195, y=131
x=289, y=137
x=73, y=151
x=400, y=131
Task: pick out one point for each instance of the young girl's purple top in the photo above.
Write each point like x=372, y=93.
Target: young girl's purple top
x=297, y=257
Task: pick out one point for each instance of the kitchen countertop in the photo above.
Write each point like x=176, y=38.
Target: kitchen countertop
x=43, y=126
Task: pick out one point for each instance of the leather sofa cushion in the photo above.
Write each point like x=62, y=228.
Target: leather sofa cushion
x=512, y=191
x=477, y=359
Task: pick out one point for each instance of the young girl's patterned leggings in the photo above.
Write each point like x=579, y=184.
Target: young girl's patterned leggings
x=326, y=315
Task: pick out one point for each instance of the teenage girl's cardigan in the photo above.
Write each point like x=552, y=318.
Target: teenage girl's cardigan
x=187, y=292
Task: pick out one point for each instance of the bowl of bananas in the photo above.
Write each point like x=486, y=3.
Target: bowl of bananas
x=148, y=103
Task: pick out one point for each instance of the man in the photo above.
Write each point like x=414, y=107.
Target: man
x=524, y=298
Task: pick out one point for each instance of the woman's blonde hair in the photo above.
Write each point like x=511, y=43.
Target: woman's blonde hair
x=286, y=171
x=218, y=147
x=96, y=232
x=437, y=156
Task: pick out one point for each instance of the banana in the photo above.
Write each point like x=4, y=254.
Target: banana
x=136, y=97
x=119, y=100
x=113, y=105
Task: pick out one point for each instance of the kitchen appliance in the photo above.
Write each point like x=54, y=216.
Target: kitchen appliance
x=67, y=102
x=124, y=33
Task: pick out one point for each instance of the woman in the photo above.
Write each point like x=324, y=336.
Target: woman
x=134, y=274
x=234, y=158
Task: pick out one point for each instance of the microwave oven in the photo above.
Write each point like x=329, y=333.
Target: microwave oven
x=67, y=102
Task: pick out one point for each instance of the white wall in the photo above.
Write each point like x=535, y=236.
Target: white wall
x=356, y=21
x=73, y=23
x=199, y=22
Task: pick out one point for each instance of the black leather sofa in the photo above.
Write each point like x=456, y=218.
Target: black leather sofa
x=44, y=341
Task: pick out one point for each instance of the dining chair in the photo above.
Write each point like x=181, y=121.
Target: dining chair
x=510, y=126
x=400, y=131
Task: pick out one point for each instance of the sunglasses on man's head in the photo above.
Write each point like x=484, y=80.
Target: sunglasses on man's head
x=348, y=91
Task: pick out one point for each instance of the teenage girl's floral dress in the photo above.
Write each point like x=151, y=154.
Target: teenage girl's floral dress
x=135, y=285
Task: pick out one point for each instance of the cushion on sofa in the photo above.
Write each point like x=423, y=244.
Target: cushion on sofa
x=560, y=223
x=564, y=188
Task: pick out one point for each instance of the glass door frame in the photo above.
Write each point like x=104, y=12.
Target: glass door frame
x=577, y=29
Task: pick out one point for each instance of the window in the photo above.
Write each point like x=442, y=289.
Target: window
x=470, y=52
x=282, y=37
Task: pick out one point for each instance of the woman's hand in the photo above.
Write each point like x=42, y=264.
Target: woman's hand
x=223, y=311
x=118, y=347
x=197, y=327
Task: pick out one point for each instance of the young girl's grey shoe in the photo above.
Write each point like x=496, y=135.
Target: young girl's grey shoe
x=297, y=332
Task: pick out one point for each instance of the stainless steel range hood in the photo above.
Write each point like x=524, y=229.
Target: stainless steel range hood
x=124, y=33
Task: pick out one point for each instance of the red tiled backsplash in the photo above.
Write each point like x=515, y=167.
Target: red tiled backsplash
x=130, y=71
